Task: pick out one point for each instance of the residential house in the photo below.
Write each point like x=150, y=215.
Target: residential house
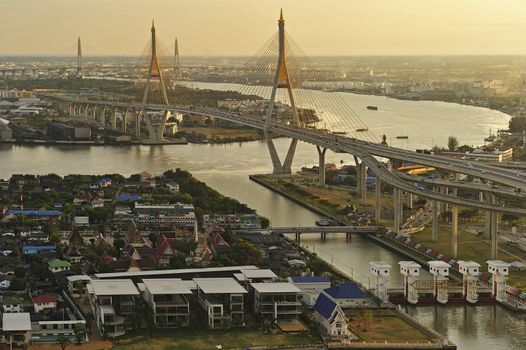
x=330, y=317
x=57, y=265
x=44, y=302
x=12, y=304
x=348, y=295
x=167, y=298
x=112, y=301
x=279, y=301
x=222, y=301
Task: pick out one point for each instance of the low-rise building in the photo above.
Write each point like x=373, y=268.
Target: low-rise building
x=44, y=302
x=279, y=301
x=112, y=301
x=348, y=295
x=330, y=317
x=57, y=265
x=167, y=299
x=222, y=301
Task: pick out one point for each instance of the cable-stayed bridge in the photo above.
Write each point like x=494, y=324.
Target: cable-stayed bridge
x=271, y=94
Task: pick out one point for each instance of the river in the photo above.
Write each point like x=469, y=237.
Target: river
x=226, y=168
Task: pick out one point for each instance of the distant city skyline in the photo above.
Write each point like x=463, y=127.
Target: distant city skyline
x=240, y=27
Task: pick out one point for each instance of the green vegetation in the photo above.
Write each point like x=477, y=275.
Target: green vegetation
x=204, y=197
x=517, y=124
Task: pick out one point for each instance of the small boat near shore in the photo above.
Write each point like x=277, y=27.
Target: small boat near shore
x=372, y=108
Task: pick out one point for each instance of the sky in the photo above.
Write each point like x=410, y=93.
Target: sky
x=241, y=27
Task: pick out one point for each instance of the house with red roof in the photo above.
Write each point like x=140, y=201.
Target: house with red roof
x=44, y=302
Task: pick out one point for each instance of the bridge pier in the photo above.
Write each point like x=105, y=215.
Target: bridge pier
x=454, y=231
x=138, y=124
x=361, y=179
x=397, y=194
x=114, y=119
x=297, y=236
x=323, y=236
x=410, y=200
x=321, y=165
x=454, y=226
x=434, y=222
x=103, y=117
x=377, y=194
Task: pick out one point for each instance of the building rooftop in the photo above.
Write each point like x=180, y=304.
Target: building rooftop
x=324, y=306
x=347, y=290
x=167, y=286
x=439, y=263
x=498, y=263
x=259, y=273
x=14, y=322
x=219, y=286
x=467, y=264
x=278, y=287
x=56, y=263
x=379, y=264
x=175, y=271
x=114, y=287
x=408, y=264
x=310, y=279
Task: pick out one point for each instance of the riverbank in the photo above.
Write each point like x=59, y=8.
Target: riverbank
x=219, y=135
x=464, y=101
x=304, y=198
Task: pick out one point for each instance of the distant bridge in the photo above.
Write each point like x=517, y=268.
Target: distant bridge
x=322, y=230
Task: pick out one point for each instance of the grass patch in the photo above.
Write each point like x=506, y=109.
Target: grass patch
x=386, y=328
x=187, y=339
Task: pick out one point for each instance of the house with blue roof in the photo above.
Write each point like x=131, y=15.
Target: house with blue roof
x=330, y=318
x=348, y=294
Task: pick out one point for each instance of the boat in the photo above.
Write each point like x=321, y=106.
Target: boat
x=362, y=130
x=402, y=137
x=326, y=222
x=339, y=133
x=372, y=108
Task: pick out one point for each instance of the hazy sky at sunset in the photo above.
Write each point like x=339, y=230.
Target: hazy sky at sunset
x=240, y=27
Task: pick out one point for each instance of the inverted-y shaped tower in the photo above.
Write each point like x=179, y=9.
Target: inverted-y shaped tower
x=281, y=80
x=155, y=76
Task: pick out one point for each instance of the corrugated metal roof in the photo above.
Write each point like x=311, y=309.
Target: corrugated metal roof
x=324, y=306
x=347, y=290
x=310, y=279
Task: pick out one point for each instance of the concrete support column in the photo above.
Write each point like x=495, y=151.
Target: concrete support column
x=138, y=124
x=114, y=119
x=321, y=165
x=363, y=183
x=410, y=200
x=454, y=231
x=493, y=226
x=124, y=120
x=434, y=222
x=103, y=117
x=396, y=207
x=378, y=193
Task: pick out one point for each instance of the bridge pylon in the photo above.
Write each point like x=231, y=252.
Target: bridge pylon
x=154, y=80
x=80, y=67
x=281, y=80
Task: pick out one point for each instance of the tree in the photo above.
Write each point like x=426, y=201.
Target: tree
x=178, y=262
x=265, y=222
x=153, y=237
x=517, y=124
x=510, y=218
x=119, y=244
x=63, y=342
x=452, y=143
x=79, y=332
